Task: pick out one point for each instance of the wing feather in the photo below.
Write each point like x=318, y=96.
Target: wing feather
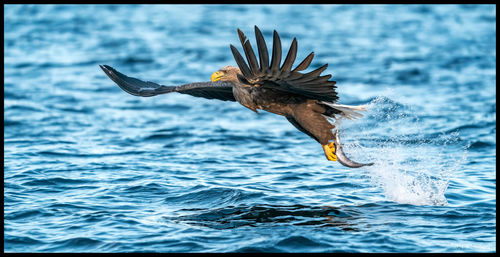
x=290, y=57
x=241, y=63
x=276, y=59
x=310, y=75
x=263, y=53
x=210, y=90
x=252, y=60
x=241, y=36
x=305, y=63
x=311, y=84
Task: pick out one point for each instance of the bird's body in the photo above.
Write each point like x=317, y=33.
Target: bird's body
x=306, y=100
x=258, y=98
x=305, y=114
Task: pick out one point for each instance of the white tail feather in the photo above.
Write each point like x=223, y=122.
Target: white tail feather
x=348, y=111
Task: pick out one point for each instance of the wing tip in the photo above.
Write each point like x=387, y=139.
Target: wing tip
x=108, y=70
x=104, y=66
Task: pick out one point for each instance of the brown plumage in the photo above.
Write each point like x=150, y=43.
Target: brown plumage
x=307, y=100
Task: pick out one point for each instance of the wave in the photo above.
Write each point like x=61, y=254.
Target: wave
x=211, y=196
x=480, y=145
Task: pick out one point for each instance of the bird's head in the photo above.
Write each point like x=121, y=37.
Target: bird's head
x=226, y=73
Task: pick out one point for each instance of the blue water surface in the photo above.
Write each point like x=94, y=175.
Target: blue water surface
x=90, y=168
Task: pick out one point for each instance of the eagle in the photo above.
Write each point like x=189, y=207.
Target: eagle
x=307, y=100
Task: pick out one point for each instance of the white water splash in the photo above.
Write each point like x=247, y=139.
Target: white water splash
x=414, y=174
x=409, y=167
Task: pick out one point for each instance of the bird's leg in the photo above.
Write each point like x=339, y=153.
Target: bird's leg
x=330, y=147
x=330, y=151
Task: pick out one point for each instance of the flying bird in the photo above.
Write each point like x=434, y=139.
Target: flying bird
x=307, y=100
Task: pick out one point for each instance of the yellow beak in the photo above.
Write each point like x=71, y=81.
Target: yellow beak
x=216, y=76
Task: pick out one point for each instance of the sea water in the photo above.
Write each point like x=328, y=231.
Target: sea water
x=90, y=168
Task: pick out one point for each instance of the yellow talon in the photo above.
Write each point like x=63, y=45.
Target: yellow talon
x=329, y=150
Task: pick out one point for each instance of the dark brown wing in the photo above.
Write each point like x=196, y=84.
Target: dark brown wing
x=211, y=90
x=283, y=78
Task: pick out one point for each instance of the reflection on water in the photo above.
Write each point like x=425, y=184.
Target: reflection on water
x=258, y=215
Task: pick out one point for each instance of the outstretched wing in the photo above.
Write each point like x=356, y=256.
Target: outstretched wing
x=283, y=78
x=211, y=90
